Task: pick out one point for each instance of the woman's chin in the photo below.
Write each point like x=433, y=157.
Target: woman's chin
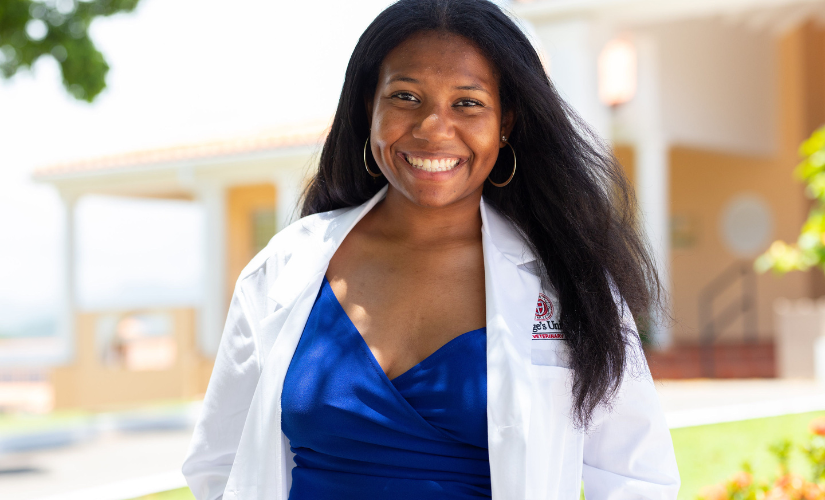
x=432, y=196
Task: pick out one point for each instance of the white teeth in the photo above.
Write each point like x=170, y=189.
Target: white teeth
x=438, y=165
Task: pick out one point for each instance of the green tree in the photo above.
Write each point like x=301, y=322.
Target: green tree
x=60, y=29
x=809, y=249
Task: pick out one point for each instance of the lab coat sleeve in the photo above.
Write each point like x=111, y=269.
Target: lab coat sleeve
x=628, y=452
x=225, y=406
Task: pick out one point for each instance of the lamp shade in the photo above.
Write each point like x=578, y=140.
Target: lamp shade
x=617, y=72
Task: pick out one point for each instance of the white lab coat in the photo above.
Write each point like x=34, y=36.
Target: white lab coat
x=238, y=450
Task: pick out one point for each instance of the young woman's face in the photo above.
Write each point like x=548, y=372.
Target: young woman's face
x=436, y=121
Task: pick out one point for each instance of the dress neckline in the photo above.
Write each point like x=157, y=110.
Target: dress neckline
x=434, y=355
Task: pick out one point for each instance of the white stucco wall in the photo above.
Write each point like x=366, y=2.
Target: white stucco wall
x=718, y=86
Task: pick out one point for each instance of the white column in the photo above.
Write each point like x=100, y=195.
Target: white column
x=571, y=48
x=288, y=189
x=212, y=313
x=652, y=172
x=68, y=300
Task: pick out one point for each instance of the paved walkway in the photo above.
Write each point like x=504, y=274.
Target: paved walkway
x=117, y=465
x=698, y=402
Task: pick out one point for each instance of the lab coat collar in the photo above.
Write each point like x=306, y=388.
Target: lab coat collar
x=331, y=228
x=326, y=230
x=505, y=236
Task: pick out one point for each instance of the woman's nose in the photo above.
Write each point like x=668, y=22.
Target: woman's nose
x=434, y=127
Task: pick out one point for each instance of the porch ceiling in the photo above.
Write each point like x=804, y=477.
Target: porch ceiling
x=173, y=172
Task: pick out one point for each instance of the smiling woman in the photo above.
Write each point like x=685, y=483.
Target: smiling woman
x=389, y=344
x=436, y=108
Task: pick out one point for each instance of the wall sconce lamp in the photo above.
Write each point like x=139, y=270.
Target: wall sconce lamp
x=617, y=72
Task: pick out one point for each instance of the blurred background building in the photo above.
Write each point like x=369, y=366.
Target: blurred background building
x=246, y=189
x=124, y=223
x=704, y=102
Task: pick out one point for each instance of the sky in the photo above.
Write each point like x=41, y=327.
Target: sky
x=181, y=71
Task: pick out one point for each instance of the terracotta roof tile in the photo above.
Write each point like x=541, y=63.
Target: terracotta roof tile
x=298, y=135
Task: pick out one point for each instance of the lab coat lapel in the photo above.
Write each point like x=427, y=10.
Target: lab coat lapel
x=292, y=293
x=325, y=234
x=511, y=293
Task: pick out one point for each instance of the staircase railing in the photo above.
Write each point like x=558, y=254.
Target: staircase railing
x=744, y=305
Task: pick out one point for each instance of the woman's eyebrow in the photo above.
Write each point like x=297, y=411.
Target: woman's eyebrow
x=409, y=79
x=473, y=87
x=402, y=78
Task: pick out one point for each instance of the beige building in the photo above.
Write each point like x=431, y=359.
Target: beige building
x=247, y=189
x=725, y=92
x=719, y=95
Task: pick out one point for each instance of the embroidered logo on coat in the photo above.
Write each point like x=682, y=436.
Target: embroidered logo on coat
x=545, y=327
x=544, y=309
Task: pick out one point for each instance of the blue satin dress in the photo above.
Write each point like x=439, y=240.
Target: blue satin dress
x=356, y=434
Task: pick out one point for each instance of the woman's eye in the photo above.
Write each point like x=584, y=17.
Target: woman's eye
x=405, y=96
x=468, y=103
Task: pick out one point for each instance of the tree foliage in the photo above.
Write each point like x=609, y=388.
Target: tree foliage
x=60, y=29
x=809, y=249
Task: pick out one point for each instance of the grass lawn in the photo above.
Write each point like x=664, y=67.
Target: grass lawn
x=14, y=423
x=179, y=494
x=710, y=454
x=706, y=454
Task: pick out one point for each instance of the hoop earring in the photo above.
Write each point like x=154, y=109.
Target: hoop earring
x=375, y=176
x=496, y=184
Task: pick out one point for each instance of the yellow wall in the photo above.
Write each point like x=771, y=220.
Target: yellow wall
x=627, y=158
x=242, y=203
x=89, y=383
x=802, y=78
x=702, y=182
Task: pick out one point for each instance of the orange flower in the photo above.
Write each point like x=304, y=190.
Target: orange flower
x=777, y=493
x=794, y=487
x=812, y=491
x=741, y=480
x=789, y=482
x=817, y=426
x=714, y=492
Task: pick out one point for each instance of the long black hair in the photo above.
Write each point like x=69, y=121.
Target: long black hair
x=569, y=197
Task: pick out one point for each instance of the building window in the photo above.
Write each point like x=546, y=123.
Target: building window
x=137, y=341
x=263, y=229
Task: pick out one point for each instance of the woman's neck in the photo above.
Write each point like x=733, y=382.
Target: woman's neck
x=403, y=222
